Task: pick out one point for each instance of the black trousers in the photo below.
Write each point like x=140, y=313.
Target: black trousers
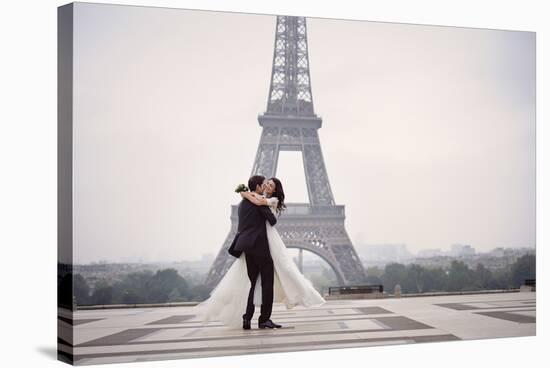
x=260, y=265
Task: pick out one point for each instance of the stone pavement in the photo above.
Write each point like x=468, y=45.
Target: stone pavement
x=158, y=333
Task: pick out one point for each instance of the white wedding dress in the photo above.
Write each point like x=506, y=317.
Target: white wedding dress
x=227, y=302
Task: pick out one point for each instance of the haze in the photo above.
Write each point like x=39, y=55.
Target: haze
x=428, y=132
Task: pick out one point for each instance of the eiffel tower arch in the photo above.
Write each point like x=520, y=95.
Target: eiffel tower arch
x=290, y=124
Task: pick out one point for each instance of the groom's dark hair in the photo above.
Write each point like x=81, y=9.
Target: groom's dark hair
x=255, y=180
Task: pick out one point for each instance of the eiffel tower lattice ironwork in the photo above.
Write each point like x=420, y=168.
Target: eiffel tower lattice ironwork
x=290, y=124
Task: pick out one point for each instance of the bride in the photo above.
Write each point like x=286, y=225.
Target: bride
x=227, y=302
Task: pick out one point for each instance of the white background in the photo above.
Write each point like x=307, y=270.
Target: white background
x=28, y=183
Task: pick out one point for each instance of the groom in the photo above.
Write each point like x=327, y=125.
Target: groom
x=251, y=239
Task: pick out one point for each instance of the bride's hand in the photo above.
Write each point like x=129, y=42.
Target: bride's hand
x=254, y=198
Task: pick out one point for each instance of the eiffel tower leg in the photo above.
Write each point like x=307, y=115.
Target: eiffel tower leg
x=316, y=174
x=223, y=261
x=348, y=262
x=324, y=234
x=265, y=162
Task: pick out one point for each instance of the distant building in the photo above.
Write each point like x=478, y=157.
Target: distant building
x=459, y=250
x=493, y=260
x=427, y=253
x=497, y=252
x=384, y=253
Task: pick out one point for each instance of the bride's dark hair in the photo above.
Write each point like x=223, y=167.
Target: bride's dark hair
x=279, y=193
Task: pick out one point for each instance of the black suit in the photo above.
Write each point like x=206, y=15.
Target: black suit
x=251, y=239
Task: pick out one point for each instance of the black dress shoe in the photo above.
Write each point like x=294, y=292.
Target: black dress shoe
x=246, y=324
x=268, y=324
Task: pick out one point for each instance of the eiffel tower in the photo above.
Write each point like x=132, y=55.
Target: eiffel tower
x=290, y=124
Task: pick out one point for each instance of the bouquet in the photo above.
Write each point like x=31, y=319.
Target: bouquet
x=241, y=188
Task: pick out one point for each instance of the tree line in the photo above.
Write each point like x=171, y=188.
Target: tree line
x=414, y=278
x=168, y=285
x=141, y=287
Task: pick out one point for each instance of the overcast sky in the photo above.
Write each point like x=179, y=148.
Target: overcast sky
x=428, y=132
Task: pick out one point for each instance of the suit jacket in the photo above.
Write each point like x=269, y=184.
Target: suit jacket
x=251, y=234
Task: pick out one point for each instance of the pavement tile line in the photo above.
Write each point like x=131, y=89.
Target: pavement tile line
x=465, y=307
x=394, y=323
x=342, y=330
x=510, y=316
x=257, y=347
x=183, y=319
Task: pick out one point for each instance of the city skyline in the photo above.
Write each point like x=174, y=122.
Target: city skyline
x=209, y=257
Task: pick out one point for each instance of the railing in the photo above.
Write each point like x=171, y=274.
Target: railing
x=530, y=283
x=359, y=289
